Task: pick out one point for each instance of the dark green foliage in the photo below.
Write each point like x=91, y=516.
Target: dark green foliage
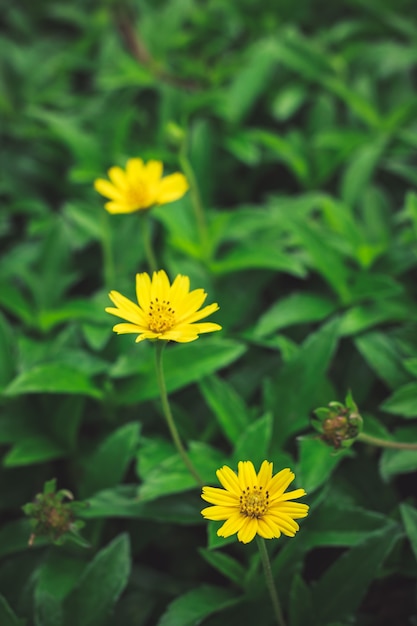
x=299, y=120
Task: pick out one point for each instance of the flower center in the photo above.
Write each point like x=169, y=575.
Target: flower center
x=161, y=316
x=137, y=196
x=254, y=502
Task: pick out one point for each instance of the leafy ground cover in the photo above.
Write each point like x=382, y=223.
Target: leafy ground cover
x=296, y=128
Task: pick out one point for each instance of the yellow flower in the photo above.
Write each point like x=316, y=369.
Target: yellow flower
x=167, y=312
x=140, y=186
x=254, y=503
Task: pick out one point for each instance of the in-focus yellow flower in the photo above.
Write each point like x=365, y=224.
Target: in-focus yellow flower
x=140, y=186
x=254, y=503
x=167, y=312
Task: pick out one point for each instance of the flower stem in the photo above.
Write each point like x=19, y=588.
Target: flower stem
x=107, y=251
x=270, y=581
x=147, y=241
x=386, y=443
x=196, y=201
x=169, y=417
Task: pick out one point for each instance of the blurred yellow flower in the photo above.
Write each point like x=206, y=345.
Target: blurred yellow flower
x=166, y=312
x=254, y=503
x=140, y=186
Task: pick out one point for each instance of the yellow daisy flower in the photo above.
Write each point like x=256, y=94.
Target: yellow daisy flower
x=140, y=186
x=167, y=312
x=254, y=503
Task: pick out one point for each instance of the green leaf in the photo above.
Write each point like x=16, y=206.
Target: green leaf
x=74, y=309
x=327, y=261
x=381, y=353
x=122, y=501
x=183, y=364
x=359, y=318
x=409, y=517
x=108, y=464
x=253, y=443
x=13, y=301
x=359, y=172
x=333, y=525
x=332, y=597
x=14, y=536
x=263, y=254
x=301, y=608
x=403, y=401
x=48, y=610
x=288, y=100
x=100, y=585
x=7, y=352
x=228, y=407
x=172, y=476
x=250, y=80
x=7, y=615
x=395, y=462
x=298, y=385
x=194, y=606
x=297, y=308
x=52, y=378
x=36, y=449
x=317, y=462
x=226, y=565
x=58, y=574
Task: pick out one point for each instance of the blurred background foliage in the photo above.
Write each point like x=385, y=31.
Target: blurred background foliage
x=300, y=121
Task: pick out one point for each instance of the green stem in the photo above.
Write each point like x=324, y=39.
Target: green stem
x=386, y=443
x=159, y=346
x=270, y=581
x=196, y=201
x=147, y=241
x=107, y=251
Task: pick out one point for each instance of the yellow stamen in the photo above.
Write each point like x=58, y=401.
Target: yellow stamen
x=254, y=502
x=161, y=316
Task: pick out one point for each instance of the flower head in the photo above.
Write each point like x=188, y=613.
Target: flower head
x=254, y=503
x=165, y=311
x=140, y=186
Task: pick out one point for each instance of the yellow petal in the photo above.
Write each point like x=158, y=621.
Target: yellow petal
x=265, y=474
x=267, y=528
x=124, y=329
x=232, y=525
x=206, y=327
x=126, y=309
x=118, y=207
x=190, y=303
x=134, y=171
x=285, y=523
x=143, y=291
x=152, y=172
x=278, y=483
x=246, y=474
x=106, y=189
x=118, y=177
x=219, y=496
x=229, y=480
x=160, y=286
x=198, y=315
x=248, y=530
x=171, y=188
x=218, y=513
x=180, y=336
x=290, y=495
x=179, y=289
